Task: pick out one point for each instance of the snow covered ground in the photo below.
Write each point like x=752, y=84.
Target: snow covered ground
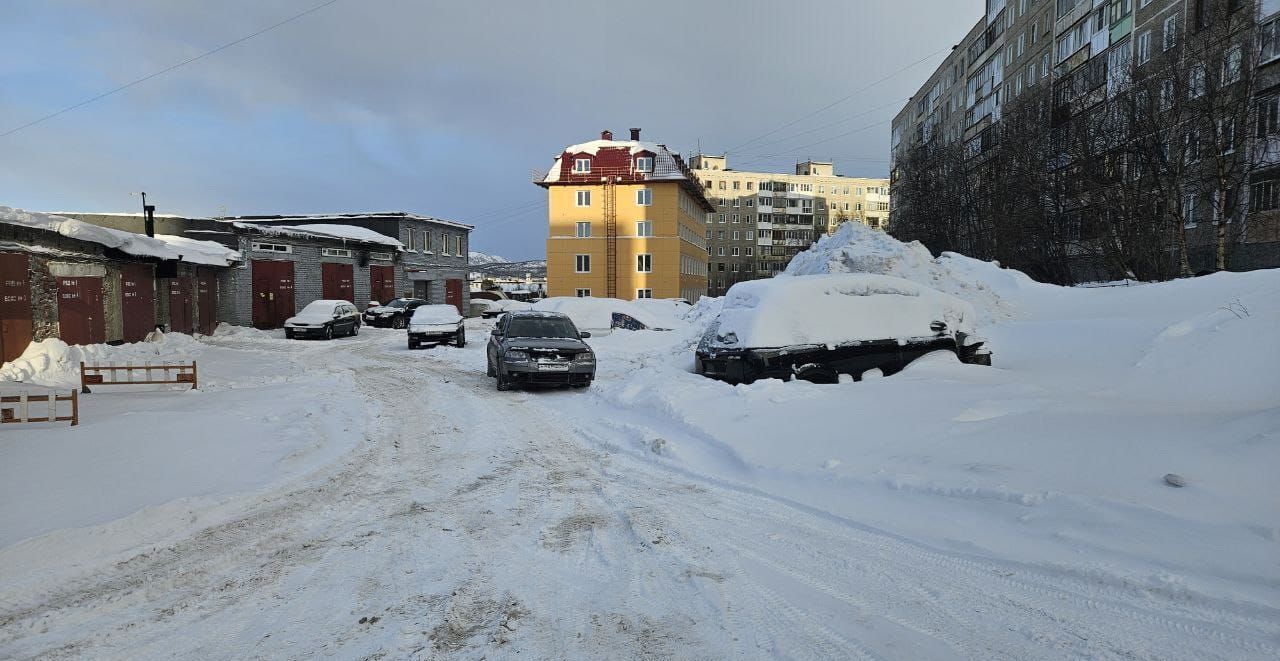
x=353, y=500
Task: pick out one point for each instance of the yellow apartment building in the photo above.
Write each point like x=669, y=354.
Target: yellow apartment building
x=625, y=221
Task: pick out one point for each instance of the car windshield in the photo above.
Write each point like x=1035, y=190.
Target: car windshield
x=541, y=327
x=398, y=303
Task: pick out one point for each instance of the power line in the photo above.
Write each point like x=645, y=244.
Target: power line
x=167, y=70
x=846, y=98
x=895, y=102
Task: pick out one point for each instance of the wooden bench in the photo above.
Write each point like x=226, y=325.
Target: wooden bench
x=96, y=375
x=16, y=409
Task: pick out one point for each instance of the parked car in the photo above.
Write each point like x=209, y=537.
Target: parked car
x=818, y=327
x=539, y=348
x=438, y=324
x=394, y=314
x=324, y=319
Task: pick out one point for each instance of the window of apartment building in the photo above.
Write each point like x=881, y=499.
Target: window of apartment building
x=582, y=263
x=709, y=233
x=1144, y=47
x=722, y=185
x=583, y=230
x=706, y=184
x=736, y=202
x=582, y=293
x=720, y=251
x=410, y=234
x=766, y=201
x=644, y=197
x=1195, y=81
x=581, y=165
x=751, y=185
x=733, y=268
x=751, y=202
x=734, y=218
x=859, y=190
x=584, y=198
x=735, y=235
x=722, y=218
x=1269, y=40
x=644, y=228
x=335, y=252
x=644, y=263
x=427, y=244
x=751, y=251
x=1189, y=210
x=734, y=251
x=1268, y=116
x=1166, y=94
x=1170, y=38
x=751, y=235
x=644, y=164
x=644, y=293
x=1264, y=195
x=737, y=185
x=1232, y=65
x=720, y=265
x=846, y=190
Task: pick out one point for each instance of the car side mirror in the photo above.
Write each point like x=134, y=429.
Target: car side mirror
x=584, y=335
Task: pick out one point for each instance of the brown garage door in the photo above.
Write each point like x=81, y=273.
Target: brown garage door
x=207, y=300
x=137, y=301
x=453, y=294
x=180, y=304
x=382, y=283
x=336, y=282
x=80, y=314
x=15, y=306
x=272, y=293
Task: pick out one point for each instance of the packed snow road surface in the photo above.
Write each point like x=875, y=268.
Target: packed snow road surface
x=462, y=522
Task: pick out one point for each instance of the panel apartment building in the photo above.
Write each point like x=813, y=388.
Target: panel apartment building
x=1078, y=49
x=625, y=221
x=761, y=219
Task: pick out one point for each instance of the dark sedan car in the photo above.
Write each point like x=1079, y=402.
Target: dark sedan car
x=539, y=348
x=395, y=314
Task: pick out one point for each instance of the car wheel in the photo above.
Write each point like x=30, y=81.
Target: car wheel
x=461, y=338
x=412, y=345
x=288, y=335
x=399, y=322
x=503, y=383
x=355, y=330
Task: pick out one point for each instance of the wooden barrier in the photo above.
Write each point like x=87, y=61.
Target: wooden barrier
x=95, y=375
x=21, y=413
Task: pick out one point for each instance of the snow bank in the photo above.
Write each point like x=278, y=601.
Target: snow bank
x=55, y=364
x=856, y=248
x=834, y=309
x=591, y=313
x=344, y=232
x=209, y=253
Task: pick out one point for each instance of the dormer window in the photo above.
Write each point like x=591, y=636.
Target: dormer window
x=582, y=165
x=644, y=164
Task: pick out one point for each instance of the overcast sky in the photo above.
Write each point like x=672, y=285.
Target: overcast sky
x=439, y=108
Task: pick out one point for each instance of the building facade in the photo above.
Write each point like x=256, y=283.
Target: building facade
x=625, y=220
x=1078, y=59
x=761, y=220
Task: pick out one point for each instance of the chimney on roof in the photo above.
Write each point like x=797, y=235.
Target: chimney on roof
x=635, y=135
x=606, y=134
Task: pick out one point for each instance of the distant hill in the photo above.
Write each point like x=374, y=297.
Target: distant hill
x=493, y=265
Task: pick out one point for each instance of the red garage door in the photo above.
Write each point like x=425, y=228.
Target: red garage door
x=272, y=293
x=15, y=306
x=207, y=300
x=453, y=294
x=180, y=311
x=336, y=282
x=80, y=314
x=137, y=301
x=382, y=283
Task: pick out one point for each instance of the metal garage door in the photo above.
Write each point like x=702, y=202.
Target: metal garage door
x=453, y=294
x=15, y=305
x=337, y=283
x=207, y=300
x=80, y=313
x=180, y=311
x=137, y=301
x=382, y=283
x=272, y=293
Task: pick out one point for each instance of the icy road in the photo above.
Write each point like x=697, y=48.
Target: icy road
x=475, y=524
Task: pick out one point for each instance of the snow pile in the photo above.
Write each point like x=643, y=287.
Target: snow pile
x=54, y=363
x=856, y=248
x=591, y=313
x=347, y=232
x=162, y=246
x=834, y=309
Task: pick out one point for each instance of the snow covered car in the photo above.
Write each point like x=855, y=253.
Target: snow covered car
x=539, y=348
x=817, y=327
x=394, y=314
x=438, y=324
x=324, y=319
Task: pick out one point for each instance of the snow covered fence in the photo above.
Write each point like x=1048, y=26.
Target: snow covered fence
x=16, y=408
x=96, y=375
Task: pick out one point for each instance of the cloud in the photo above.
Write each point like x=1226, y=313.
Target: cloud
x=436, y=107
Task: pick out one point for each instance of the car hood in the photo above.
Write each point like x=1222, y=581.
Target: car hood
x=309, y=319
x=560, y=344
